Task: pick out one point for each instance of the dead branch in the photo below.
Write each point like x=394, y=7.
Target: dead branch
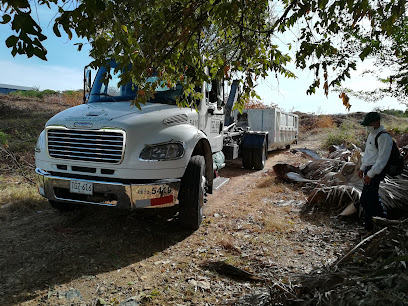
x=358, y=245
x=16, y=163
x=283, y=289
x=386, y=222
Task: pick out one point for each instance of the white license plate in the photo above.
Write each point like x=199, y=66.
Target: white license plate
x=81, y=187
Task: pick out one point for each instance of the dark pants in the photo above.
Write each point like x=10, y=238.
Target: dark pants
x=370, y=200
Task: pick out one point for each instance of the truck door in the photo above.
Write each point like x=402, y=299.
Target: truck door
x=214, y=116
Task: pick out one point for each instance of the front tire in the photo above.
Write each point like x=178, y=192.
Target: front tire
x=192, y=193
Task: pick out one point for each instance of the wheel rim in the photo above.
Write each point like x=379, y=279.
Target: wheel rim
x=263, y=156
x=203, y=181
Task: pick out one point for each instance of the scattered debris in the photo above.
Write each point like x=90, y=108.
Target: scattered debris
x=374, y=271
x=228, y=270
x=334, y=181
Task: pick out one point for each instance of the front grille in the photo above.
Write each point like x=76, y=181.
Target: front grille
x=104, y=146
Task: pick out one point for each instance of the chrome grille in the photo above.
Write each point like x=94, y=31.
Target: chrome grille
x=104, y=146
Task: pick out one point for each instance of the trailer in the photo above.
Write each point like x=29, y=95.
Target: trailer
x=282, y=127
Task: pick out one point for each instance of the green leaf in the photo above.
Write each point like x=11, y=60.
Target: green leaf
x=366, y=51
x=11, y=41
x=80, y=45
x=40, y=53
x=6, y=19
x=56, y=30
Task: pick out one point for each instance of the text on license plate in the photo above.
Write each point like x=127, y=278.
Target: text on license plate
x=81, y=187
x=154, y=191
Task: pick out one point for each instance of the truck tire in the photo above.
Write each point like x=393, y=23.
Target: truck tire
x=62, y=207
x=247, y=158
x=259, y=157
x=192, y=193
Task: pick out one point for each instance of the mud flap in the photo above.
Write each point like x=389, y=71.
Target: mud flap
x=254, y=150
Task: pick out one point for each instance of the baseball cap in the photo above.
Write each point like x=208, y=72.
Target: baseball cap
x=370, y=118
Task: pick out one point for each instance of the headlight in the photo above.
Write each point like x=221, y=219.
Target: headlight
x=40, y=142
x=165, y=151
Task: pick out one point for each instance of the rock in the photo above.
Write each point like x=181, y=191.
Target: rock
x=132, y=301
x=70, y=294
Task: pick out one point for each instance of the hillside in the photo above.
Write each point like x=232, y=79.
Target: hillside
x=260, y=243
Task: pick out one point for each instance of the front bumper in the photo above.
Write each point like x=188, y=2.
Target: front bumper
x=127, y=196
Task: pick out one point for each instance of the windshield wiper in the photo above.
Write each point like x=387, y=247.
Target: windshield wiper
x=105, y=95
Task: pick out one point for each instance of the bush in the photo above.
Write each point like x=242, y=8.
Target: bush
x=324, y=121
x=73, y=98
x=398, y=129
x=68, y=97
x=346, y=133
x=393, y=112
x=34, y=93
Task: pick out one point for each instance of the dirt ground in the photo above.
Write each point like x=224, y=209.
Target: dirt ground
x=101, y=256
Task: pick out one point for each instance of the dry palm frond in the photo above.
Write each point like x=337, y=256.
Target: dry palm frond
x=308, y=152
x=342, y=190
x=336, y=182
x=316, y=169
x=394, y=191
x=338, y=196
x=296, y=177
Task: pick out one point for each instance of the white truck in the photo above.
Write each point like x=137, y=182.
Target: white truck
x=106, y=152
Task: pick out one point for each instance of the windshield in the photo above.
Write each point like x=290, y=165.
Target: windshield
x=111, y=92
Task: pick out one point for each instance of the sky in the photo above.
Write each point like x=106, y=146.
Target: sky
x=64, y=71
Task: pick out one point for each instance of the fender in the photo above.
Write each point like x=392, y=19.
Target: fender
x=203, y=148
x=196, y=143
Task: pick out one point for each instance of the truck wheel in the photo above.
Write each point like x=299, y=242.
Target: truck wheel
x=63, y=206
x=259, y=157
x=247, y=158
x=192, y=192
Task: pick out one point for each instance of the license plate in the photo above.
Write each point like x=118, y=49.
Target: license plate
x=154, y=191
x=81, y=187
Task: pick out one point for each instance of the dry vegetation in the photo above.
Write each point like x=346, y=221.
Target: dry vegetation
x=258, y=244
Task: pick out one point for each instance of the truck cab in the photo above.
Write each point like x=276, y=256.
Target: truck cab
x=108, y=152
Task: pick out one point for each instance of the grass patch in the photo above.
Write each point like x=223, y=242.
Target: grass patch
x=34, y=93
x=348, y=132
x=3, y=138
x=270, y=183
x=397, y=128
x=18, y=196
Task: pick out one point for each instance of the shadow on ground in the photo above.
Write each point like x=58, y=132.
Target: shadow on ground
x=234, y=167
x=48, y=248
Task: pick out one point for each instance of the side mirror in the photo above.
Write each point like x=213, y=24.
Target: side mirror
x=87, y=83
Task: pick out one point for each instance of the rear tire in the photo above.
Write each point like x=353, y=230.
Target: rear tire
x=246, y=157
x=192, y=193
x=63, y=207
x=259, y=157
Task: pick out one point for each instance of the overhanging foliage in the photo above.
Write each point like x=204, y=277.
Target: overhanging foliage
x=238, y=38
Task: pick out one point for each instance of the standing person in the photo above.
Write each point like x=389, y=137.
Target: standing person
x=372, y=165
